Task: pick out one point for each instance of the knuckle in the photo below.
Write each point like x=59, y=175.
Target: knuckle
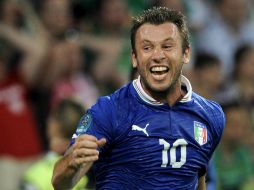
x=75, y=153
x=86, y=152
x=78, y=161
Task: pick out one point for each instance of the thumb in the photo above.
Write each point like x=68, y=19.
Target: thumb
x=101, y=142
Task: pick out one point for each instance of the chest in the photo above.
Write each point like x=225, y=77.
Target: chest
x=170, y=140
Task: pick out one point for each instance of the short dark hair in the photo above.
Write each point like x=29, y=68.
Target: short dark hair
x=160, y=15
x=204, y=60
x=67, y=113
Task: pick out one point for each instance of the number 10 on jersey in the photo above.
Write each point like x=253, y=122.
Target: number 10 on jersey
x=172, y=151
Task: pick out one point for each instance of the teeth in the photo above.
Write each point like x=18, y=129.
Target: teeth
x=158, y=69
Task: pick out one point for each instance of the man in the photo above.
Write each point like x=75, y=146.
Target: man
x=154, y=133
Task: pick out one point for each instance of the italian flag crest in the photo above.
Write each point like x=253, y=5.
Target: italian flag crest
x=200, y=133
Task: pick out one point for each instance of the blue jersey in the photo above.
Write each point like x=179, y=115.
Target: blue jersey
x=152, y=145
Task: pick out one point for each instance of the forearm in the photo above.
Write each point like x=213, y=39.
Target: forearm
x=65, y=176
x=76, y=162
x=201, y=183
x=16, y=38
x=33, y=54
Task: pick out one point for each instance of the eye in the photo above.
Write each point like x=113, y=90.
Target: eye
x=167, y=47
x=147, y=48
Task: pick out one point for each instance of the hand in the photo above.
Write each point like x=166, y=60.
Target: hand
x=85, y=150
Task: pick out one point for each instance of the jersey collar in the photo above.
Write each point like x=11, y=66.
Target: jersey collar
x=148, y=99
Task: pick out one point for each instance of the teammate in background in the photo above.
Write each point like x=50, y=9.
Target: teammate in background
x=154, y=133
x=60, y=127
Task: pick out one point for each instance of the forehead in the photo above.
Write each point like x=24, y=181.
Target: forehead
x=161, y=32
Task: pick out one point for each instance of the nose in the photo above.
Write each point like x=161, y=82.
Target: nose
x=158, y=55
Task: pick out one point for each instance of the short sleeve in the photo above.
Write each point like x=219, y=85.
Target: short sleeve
x=219, y=121
x=216, y=120
x=98, y=121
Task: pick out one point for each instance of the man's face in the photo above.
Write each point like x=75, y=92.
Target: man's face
x=159, y=56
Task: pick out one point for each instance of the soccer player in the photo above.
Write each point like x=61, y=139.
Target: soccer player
x=153, y=133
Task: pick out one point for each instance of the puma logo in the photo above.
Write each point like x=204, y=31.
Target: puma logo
x=137, y=128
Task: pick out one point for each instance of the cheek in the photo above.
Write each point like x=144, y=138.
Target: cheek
x=175, y=59
x=142, y=62
x=141, y=70
x=176, y=66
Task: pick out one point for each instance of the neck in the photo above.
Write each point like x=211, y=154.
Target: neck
x=171, y=96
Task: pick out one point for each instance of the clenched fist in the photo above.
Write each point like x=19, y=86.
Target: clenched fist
x=85, y=150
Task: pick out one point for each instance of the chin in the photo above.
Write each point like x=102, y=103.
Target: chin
x=160, y=88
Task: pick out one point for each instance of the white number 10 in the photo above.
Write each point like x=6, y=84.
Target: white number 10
x=173, y=162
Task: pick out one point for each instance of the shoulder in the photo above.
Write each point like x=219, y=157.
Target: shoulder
x=122, y=94
x=111, y=101
x=211, y=107
x=211, y=111
x=102, y=119
x=107, y=108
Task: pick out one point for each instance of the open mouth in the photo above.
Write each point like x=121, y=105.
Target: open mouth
x=159, y=70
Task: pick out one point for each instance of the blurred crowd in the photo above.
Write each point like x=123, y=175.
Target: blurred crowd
x=53, y=50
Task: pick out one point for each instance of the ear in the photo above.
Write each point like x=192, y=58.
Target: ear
x=186, y=56
x=134, y=60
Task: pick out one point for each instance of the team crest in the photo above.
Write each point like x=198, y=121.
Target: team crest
x=85, y=123
x=200, y=133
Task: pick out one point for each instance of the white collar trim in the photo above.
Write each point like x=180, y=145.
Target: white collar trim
x=148, y=99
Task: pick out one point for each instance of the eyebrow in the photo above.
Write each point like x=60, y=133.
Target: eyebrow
x=149, y=41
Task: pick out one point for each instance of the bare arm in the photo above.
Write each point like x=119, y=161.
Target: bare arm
x=33, y=51
x=76, y=162
x=108, y=49
x=65, y=175
x=33, y=45
x=201, y=183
